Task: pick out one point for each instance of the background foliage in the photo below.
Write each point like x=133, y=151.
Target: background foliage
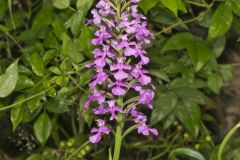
x=44, y=46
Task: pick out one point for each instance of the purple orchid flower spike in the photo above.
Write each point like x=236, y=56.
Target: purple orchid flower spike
x=119, y=62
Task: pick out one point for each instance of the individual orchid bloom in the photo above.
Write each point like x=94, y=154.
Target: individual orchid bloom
x=120, y=66
x=121, y=85
x=105, y=8
x=98, y=78
x=119, y=88
x=146, y=97
x=138, y=116
x=101, y=109
x=113, y=109
x=102, y=129
x=95, y=96
x=101, y=35
x=96, y=17
x=141, y=75
x=145, y=130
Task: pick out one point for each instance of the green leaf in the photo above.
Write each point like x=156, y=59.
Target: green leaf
x=3, y=28
x=70, y=49
x=163, y=106
x=146, y=5
x=83, y=100
x=159, y=74
x=174, y=5
x=42, y=128
x=193, y=95
x=235, y=5
x=84, y=4
x=185, y=82
x=34, y=103
x=61, y=4
x=178, y=42
x=58, y=28
x=219, y=46
x=76, y=22
x=199, y=53
x=55, y=70
x=9, y=80
x=221, y=21
x=66, y=91
x=59, y=105
x=168, y=121
x=48, y=55
x=215, y=82
x=3, y=8
x=24, y=82
x=86, y=77
x=17, y=113
x=187, y=152
x=227, y=72
x=189, y=115
x=35, y=157
x=43, y=18
x=36, y=63
x=10, y=12
x=50, y=41
x=85, y=41
x=29, y=115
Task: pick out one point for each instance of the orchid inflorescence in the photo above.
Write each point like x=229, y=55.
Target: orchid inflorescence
x=119, y=60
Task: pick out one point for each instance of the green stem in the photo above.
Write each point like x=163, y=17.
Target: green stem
x=226, y=139
x=197, y=4
x=119, y=10
x=189, y=20
x=118, y=137
x=25, y=100
x=74, y=128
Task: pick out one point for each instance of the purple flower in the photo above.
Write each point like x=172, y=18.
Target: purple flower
x=96, y=17
x=102, y=129
x=98, y=78
x=95, y=96
x=146, y=97
x=120, y=66
x=119, y=63
x=135, y=1
x=101, y=109
x=145, y=130
x=101, y=35
x=113, y=109
x=141, y=75
x=138, y=117
x=118, y=89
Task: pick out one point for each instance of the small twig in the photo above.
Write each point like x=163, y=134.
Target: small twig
x=197, y=4
x=75, y=82
x=25, y=100
x=187, y=21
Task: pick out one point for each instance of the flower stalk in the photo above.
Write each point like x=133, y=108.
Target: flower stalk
x=118, y=137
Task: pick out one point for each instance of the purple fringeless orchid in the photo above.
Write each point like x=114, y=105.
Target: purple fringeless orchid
x=119, y=62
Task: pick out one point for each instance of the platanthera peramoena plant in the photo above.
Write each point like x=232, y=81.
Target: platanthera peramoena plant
x=121, y=86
